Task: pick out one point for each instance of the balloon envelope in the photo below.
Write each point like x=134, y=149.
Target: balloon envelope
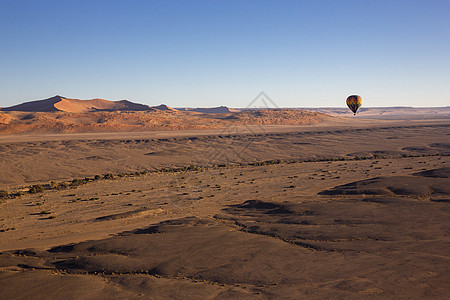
x=354, y=102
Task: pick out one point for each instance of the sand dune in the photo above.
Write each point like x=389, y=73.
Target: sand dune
x=59, y=103
x=434, y=184
x=5, y=119
x=164, y=107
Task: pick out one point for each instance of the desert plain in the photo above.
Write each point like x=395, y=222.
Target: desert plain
x=293, y=205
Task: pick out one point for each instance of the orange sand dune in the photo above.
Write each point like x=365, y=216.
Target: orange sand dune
x=59, y=103
x=4, y=119
x=164, y=107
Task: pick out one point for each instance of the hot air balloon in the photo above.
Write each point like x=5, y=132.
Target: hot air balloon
x=354, y=102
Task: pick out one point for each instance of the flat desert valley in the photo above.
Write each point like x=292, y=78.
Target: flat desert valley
x=328, y=208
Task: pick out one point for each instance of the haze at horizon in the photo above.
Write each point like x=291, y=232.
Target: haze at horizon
x=211, y=53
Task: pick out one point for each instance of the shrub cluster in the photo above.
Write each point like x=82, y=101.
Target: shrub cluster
x=4, y=194
x=77, y=182
x=37, y=188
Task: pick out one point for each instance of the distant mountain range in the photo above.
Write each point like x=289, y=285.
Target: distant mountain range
x=63, y=104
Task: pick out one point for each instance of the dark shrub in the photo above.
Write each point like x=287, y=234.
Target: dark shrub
x=4, y=194
x=37, y=188
x=77, y=182
x=62, y=186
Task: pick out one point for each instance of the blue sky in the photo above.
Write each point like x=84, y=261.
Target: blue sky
x=208, y=53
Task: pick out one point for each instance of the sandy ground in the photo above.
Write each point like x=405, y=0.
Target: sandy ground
x=38, y=122
x=374, y=225
x=34, y=159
